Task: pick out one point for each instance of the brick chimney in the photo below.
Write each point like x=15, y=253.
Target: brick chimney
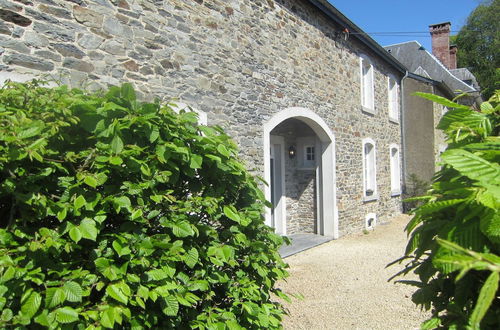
x=453, y=57
x=440, y=34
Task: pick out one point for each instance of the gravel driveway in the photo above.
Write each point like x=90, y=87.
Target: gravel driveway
x=344, y=283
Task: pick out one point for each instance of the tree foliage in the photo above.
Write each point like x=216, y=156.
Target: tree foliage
x=478, y=43
x=454, y=242
x=120, y=214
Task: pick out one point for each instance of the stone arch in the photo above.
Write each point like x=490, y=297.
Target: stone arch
x=326, y=192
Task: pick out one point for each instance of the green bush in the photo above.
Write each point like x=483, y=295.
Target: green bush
x=120, y=214
x=454, y=245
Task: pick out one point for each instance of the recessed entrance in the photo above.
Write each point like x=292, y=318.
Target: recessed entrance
x=299, y=167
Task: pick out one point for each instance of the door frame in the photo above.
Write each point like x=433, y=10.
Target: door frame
x=280, y=208
x=326, y=196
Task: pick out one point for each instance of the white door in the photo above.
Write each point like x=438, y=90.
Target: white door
x=277, y=184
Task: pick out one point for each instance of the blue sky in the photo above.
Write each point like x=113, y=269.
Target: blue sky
x=405, y=16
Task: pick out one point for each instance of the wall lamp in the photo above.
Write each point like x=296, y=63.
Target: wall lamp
x=292, y=152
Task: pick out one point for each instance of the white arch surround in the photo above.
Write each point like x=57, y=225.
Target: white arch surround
x=327, y=201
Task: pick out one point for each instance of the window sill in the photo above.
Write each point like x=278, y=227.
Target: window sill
x=395, y=193
x=394, y=120
x=368, y=110
x=371, y=198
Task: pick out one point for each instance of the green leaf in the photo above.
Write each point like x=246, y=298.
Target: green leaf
x=30, y=303
x=6, y=315
x=196, y=161
x=157, y=274
x=191, y=257
x=171, y=305
x=88, y=229
x=232, y=213
x=182, y=229
x=90, y=181
x=73, y=291
x=122, y=202
x=431, y=324
x=54, y=297
x=154, y=135
x=79, y=202
x=45, y=319
x=34, y=129
x=128, y=93
x=117, y=145
x=486, y=296
x=61, y=215
x=136, y=214
x=472, y=166
x=441, y=100
x=223, y=150
x=115, y=160
x=66, y=315
x=115, y=291
x=75, y=234
x=108, y=318
x=433, y=207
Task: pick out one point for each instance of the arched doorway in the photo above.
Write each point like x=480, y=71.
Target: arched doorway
x=312, y=172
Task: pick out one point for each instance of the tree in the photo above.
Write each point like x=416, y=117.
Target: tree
x=478, y=43
x=454, y=245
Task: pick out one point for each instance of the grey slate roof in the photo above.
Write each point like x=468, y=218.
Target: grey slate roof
x=419, y=61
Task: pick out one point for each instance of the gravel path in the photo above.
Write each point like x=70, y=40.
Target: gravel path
x=344, y=283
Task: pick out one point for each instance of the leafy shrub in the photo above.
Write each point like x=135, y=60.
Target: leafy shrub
x=116, y=213
x=455, y=234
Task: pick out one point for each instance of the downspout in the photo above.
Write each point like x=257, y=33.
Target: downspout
x=402, y=127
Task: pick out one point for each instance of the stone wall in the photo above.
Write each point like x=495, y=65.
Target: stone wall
x=240, y=61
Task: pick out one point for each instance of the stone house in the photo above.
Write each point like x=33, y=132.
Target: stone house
x=435, y=73
x=313, y=103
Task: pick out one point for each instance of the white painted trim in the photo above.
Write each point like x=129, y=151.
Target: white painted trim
x=395, y=191
x=374, y=222
x=328, y=209
x=281, y=226
x=375, y=192
x=178, y=106
x=368, y=107
x=391, y=102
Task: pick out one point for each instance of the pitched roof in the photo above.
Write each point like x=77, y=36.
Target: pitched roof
x=418, y=60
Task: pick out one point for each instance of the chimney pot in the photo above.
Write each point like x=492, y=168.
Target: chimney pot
x=440, y=34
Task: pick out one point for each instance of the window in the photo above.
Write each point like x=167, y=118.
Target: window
x=369, y=170
x=367, y=92
x=309, y=153
x=393, y=99
x=395, y=170
x=306, y=152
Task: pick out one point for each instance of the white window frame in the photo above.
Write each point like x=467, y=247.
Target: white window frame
x=367, y=84
x=373, y=224
x=369, y=170
x=395, y=160
x=393, y=98
x=303, y=143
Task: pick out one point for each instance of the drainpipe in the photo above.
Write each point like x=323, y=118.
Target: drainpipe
x=402, y=127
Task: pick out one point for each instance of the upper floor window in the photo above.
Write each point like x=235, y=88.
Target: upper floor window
x=395, y=170
x=393, y=99
x=367, y=89
x=369, y=170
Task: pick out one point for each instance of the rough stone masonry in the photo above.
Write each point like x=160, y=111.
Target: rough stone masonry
x=240, y=61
